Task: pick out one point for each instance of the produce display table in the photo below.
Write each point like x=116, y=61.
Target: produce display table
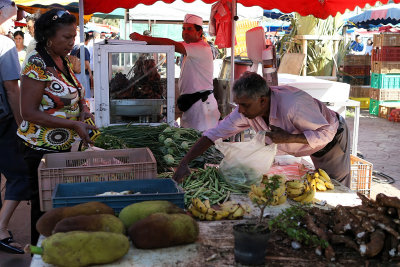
x=215, y=244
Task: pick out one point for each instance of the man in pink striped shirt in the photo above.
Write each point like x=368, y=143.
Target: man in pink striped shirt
x=298, y=123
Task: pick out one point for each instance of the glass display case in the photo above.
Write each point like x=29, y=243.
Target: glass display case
x=133, y=83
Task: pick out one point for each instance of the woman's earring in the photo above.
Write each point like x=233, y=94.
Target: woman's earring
x=49, y=43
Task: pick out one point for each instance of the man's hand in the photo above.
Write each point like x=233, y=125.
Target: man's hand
x=181, y=173
x=280, y=136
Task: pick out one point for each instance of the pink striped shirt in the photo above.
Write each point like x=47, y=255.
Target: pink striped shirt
x=291, y=109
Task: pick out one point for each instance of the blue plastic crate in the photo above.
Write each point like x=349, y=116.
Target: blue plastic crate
x=66, y=195
x=385, y=81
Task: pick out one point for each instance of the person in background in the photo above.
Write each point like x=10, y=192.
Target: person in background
x=19, y=44
x=88, y=71
x=196, y=100
x=357, y=47
x=369, y=47
x=12, y=164
x=30, y=22
x=53, y=107
x=300, y=125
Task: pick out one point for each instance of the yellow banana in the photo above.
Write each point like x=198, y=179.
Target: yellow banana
x=257, y=190
x=321, y=186
x=316, y=175
x=196, y=213
x=230, y=208
x=304, y=195
x=329, y=185
x=324, y=176
x=295, y=184
x=238, y=213
x=309, y=178
x=318, y=180
x=207, y=203
x=294, y=191
x=313, y=185
x=280, y=191
x=210, y=217
x=221, y=214
x=282, y=199
x=200, y=206
x=309, y=197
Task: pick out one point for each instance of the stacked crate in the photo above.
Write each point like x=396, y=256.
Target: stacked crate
x=385, y=77
x=360, y=93
x=356, y=69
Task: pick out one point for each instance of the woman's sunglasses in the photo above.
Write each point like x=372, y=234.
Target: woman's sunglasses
x=60, y=14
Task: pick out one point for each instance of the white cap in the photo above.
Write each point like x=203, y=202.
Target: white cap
x=193, y=19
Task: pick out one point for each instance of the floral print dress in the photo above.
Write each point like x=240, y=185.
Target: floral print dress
x=61, y=99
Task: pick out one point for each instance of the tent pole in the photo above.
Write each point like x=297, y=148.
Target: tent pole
x=82, y=47
x=234, y=17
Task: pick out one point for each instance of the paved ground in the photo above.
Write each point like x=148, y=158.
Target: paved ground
x=379, y=143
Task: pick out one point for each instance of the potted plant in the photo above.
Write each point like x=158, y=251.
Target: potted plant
x=251, y=238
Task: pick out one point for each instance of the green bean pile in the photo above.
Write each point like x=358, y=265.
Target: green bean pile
x=208, y=184
x=168, y=144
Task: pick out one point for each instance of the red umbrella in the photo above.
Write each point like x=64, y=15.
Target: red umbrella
x=318, y=8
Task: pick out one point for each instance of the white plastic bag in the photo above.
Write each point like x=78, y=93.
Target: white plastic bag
x=245, y=163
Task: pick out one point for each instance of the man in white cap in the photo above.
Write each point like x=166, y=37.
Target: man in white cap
x=197, y=101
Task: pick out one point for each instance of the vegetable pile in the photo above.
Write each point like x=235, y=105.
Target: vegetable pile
x=168, y=144
x=207, y=184
x=372, y=229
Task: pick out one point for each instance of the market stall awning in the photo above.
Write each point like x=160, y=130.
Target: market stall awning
x=378, y=16
x=318, y=8
x=33, y=6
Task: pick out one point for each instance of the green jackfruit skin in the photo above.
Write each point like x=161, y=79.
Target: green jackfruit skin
x=46, y=223
x=137, y=211
x=161, y=230
x=79, y=248
x=94, y=223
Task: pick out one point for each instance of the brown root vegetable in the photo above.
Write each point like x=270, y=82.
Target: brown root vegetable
x=342, y=239
x=329, y=252
x=392, y=212
x=374, y=246
x=367, y=202
x=345, y=221
x=388, y=229
x=386, y=201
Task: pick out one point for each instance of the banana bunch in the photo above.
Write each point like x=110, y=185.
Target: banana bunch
x=323, y=180
x=257, y=195
x=229, y=210
x=304, y=190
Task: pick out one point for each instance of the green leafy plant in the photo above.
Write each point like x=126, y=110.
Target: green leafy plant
x=263, y=196
x=289, y=221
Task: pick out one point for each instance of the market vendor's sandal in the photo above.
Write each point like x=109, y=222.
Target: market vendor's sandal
x=5, y=245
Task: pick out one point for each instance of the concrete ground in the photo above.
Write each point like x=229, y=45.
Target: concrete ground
x=379, y=143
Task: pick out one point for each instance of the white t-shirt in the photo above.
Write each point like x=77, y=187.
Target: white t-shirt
x=197, y=68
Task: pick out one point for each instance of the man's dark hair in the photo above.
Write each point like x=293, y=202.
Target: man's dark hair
x=21, y=33
x=47, y=25
x=251, y=85
x=32, y=17
x=357, y=36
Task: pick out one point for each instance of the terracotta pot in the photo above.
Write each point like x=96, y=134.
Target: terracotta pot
x=250, y=244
